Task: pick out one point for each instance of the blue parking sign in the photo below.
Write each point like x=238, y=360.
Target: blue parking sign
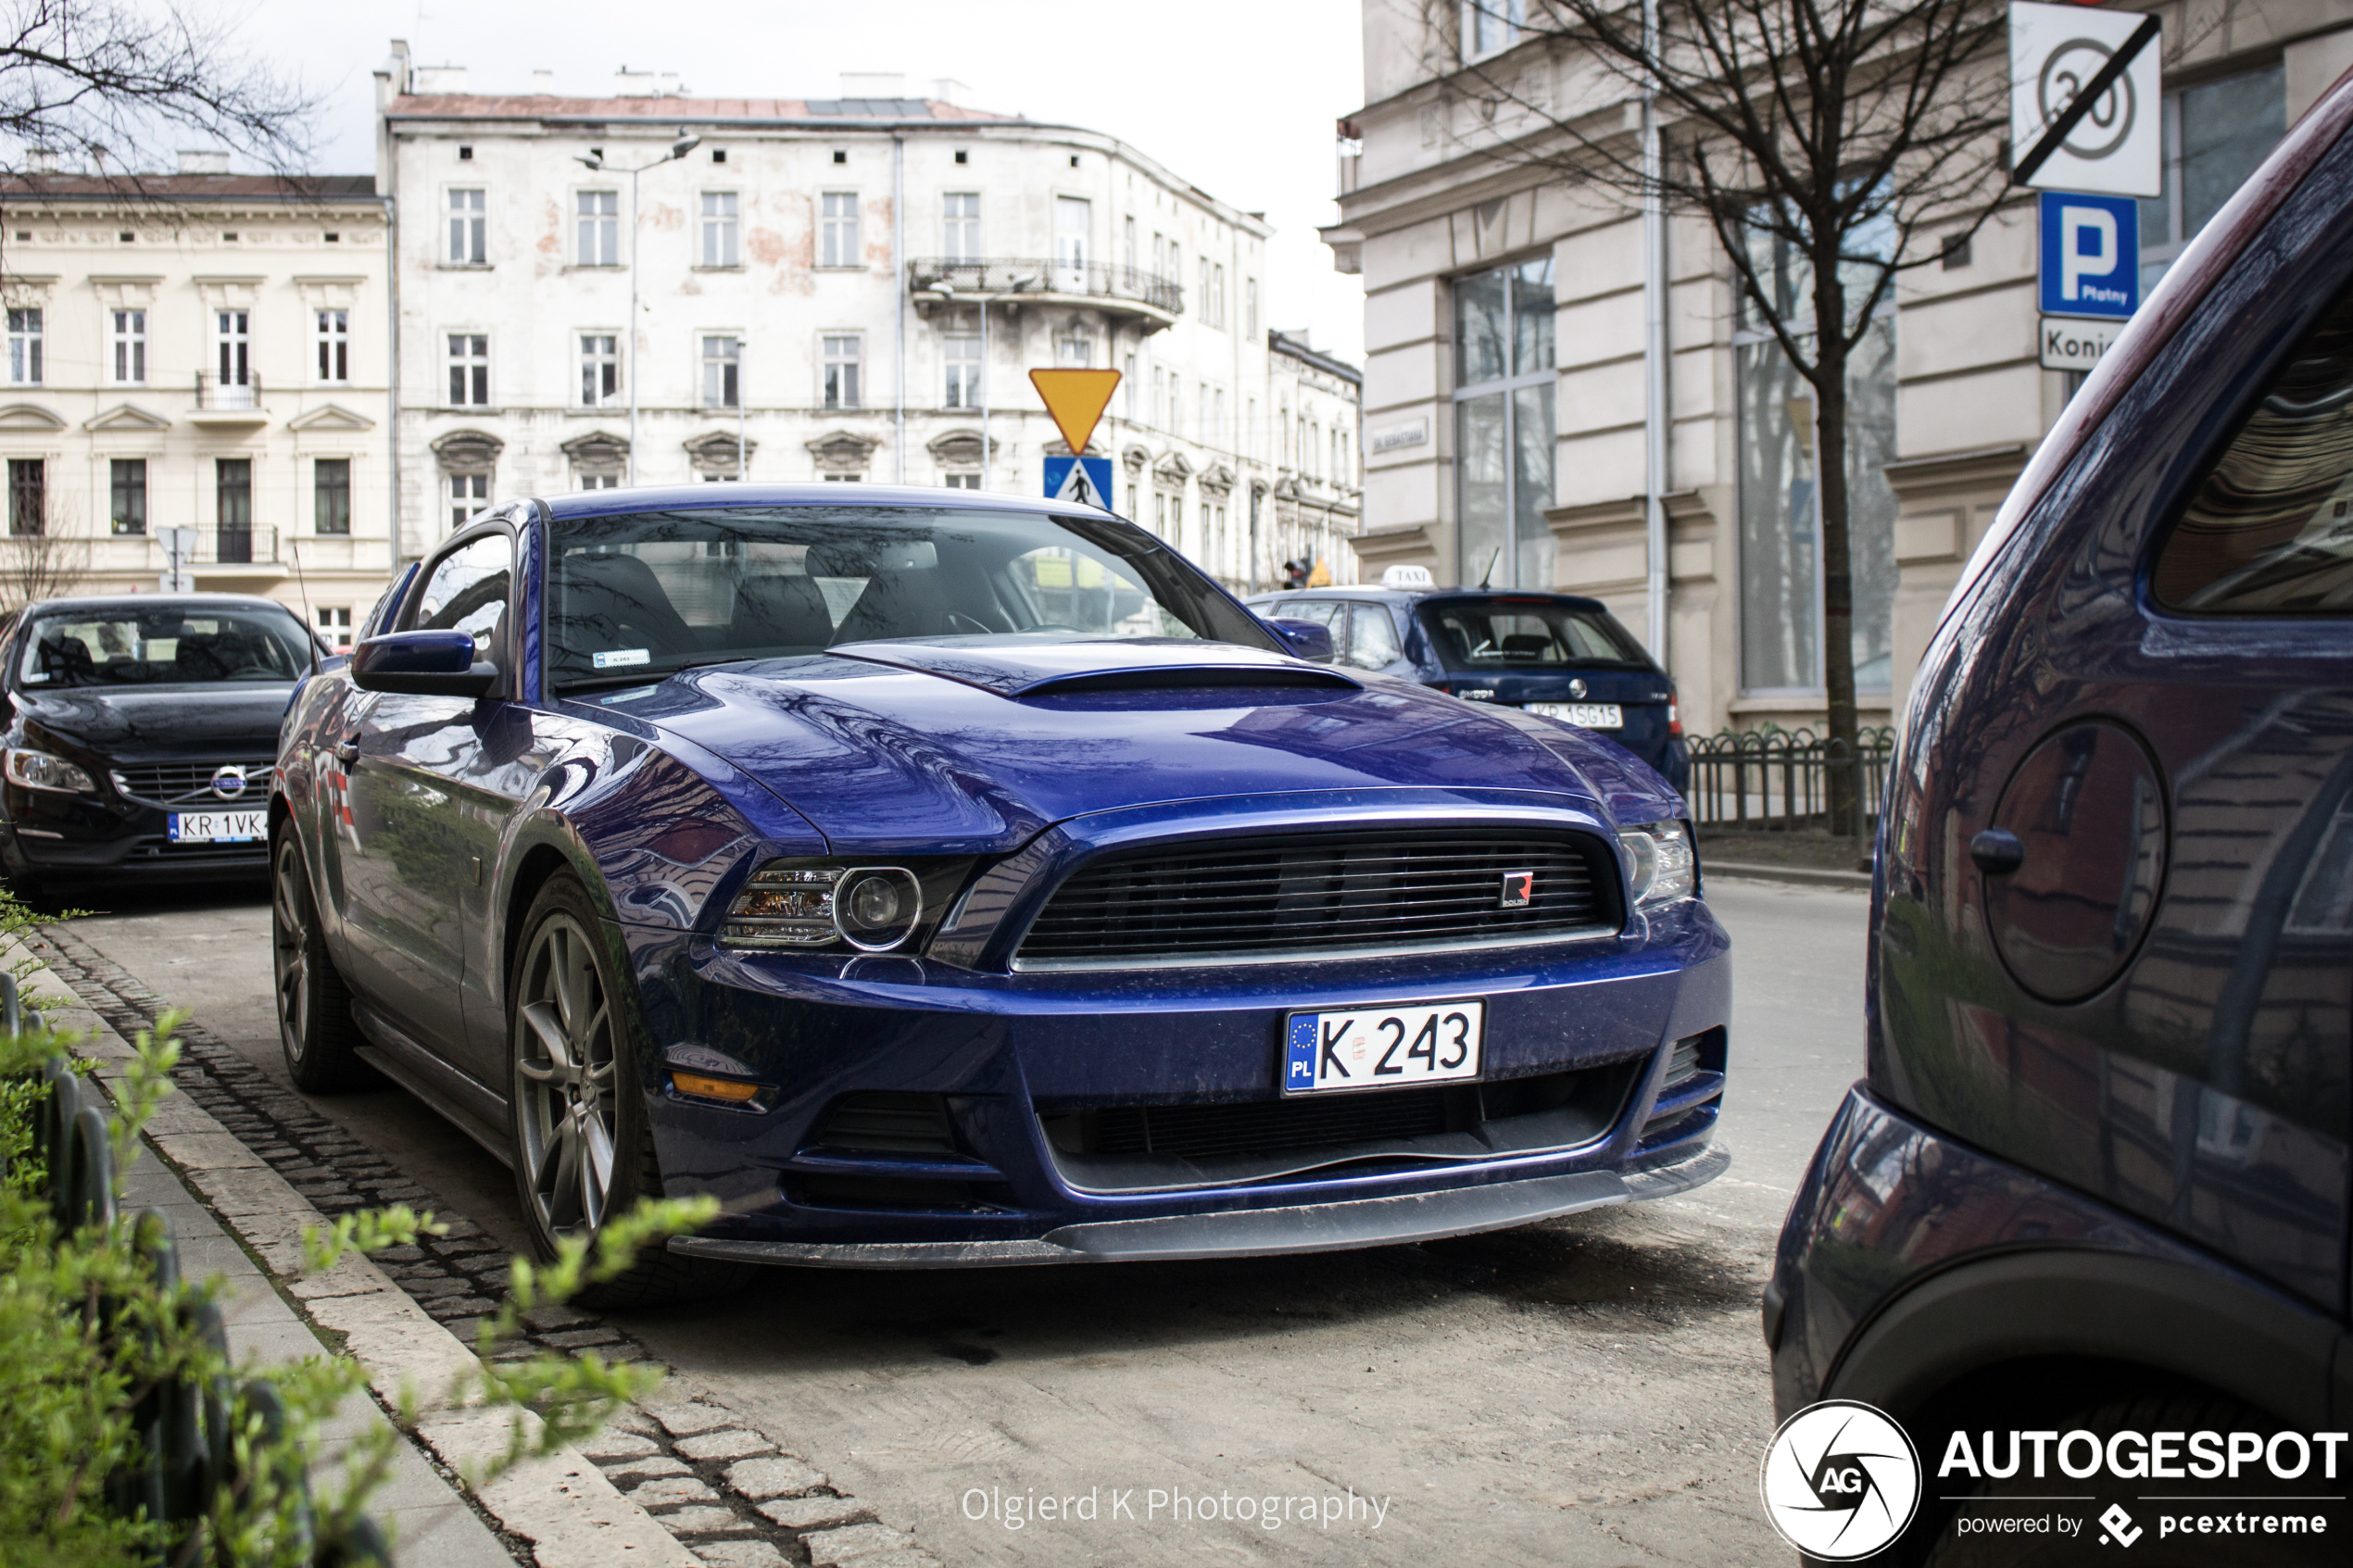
x=2091, y=255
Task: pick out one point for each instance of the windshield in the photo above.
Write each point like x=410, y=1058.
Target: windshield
x=637, y=595
x=1527, y=634
x=162, y=648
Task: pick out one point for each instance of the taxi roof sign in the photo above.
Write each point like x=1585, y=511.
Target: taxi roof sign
x=1076, y=399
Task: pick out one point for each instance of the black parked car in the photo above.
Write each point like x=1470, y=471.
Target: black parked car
x=141, y=733
x=2096, y=1182
x=1556, y=655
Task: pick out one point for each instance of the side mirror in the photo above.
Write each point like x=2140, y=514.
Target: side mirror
x=422, y=664
x=1310, y=640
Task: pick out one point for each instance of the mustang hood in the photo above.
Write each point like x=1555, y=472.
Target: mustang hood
x=974, y=745
x=135, y=723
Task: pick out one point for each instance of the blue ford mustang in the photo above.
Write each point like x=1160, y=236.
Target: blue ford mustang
x=946, y=878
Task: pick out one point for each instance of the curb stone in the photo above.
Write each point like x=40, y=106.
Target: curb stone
x=268, y=1165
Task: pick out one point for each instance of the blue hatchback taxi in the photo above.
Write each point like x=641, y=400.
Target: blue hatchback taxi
x=938, y=878
x=2096, y=1182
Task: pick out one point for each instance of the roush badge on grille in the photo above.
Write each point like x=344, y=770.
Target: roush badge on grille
x=1519, y=890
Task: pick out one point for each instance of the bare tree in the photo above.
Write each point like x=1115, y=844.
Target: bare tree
x=47, y=560
x=101, y=82
x=1830, y=144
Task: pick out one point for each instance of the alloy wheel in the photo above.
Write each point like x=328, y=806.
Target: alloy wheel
x=564, y=1065
x=290, y=947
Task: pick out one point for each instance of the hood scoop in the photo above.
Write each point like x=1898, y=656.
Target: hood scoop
x=1025, y=669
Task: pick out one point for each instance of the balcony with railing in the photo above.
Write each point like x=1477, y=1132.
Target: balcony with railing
x=1144, y=298
x=222, y=402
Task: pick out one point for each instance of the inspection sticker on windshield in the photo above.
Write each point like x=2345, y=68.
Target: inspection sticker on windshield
x=218, y=827
x=621, y=658
x=1584, y=715
x=1382, y=1048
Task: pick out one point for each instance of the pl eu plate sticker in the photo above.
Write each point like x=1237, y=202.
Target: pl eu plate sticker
x=1299, y=1054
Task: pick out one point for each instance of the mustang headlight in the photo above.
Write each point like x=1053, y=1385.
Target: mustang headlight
x=873, y=908
x=38, y=769
x=1662, y=864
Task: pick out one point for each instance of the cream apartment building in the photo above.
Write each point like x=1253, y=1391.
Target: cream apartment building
x=1504, y=376
x=846, y=289
x=196, y=350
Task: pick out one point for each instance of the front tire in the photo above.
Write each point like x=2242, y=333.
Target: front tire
x=584, y=1149
x=315, y=1027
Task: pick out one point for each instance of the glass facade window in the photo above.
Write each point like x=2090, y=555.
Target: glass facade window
x=127, y=494
x=839, y=229
x=599, y=229
x=2215, y=134
x=331, y=495
x=1504, y=381
x=719, y=228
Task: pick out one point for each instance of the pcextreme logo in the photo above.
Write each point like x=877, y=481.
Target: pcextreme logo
x=1840, y=1481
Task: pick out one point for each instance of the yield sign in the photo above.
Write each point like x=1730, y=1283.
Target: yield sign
x=1076, y=399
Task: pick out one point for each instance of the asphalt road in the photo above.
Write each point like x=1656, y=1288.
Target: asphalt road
x=1587, y=1391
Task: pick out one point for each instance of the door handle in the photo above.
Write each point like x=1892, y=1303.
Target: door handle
x=349, y=752
x=1997, y=851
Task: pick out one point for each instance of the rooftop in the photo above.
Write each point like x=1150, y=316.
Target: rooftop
x=688, y=111
x=193, y=187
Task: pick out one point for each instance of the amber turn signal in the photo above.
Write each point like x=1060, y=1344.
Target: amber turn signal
x=711, y=1088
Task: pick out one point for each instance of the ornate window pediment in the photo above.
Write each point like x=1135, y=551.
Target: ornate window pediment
x=842, y=451
x=467, y=451
x=714, y=452
x=599, y=452
x=957, y=448
x=1138, y=459
x=126, y=415
x=333, y=416
x=1218, y=480
x=1172, y=471
x=29, y=416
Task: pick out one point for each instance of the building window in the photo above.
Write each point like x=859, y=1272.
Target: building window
x=599, y=214
x=840, y=224
x=468, y=369
x=469, y=492
x=232, y=359
x=1250, y=307
x=333, y=328
x=27, y=495
x=961, y=480
x=1074, y=350
x=127, y=498
x=1074, y=222
x=960, y=225
x=233, y=515
x=600, y=481
x=331, y=495
x=722, y=368
x=2214, y=134
x=719, y=228
x=1503, y=425
x=962, y=351
x=840, y=354
x=335, y=627
x=1128, y=242
x=128, y=337
x=24, y=346
x=599, y=369
x=1127, y=387
x=468, y=220
x=1490, y=25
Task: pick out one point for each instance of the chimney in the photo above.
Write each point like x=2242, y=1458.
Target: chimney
x=434, y=80
x=874, y=84
x=543, y=83
x=627, y=83
x=197, y=162
x=669, y=83
x=947, y=90
x=40, y=160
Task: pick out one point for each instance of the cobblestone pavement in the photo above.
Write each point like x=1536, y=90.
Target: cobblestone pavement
x=1587, y=1392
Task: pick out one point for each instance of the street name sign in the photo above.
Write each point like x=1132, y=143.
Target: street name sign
x=2091, y=255
x=1084, y=480
x=2056, y=52
x=2073, y=343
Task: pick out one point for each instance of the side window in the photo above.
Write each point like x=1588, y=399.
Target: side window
x=466, y=591
x=2269, y=532
x=1371, y=637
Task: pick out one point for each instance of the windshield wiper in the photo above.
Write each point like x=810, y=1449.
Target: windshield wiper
x=647, y=677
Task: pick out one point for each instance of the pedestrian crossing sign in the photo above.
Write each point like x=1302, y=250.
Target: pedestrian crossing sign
x=1084, y=480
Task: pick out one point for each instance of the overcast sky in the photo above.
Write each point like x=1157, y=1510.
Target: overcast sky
x=1237, y=97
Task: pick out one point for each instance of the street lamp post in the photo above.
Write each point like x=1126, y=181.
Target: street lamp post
x=678, y=149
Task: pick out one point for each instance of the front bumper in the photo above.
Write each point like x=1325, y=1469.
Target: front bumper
x=84, y=838
x=1007, y=1054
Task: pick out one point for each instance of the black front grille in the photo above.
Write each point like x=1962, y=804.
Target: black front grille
x=1309, y=893
x=1682, y=1066
x=1204, y=1132
x=183, y=784
x=888, y=1124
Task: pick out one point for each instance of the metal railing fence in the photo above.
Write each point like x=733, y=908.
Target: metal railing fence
x=1787, y=780
x=186, y=1427
x=1005, y=275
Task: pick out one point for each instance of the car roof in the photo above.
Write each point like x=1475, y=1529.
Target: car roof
x=1423, y=596
x=655, y=498
x=139, y=603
